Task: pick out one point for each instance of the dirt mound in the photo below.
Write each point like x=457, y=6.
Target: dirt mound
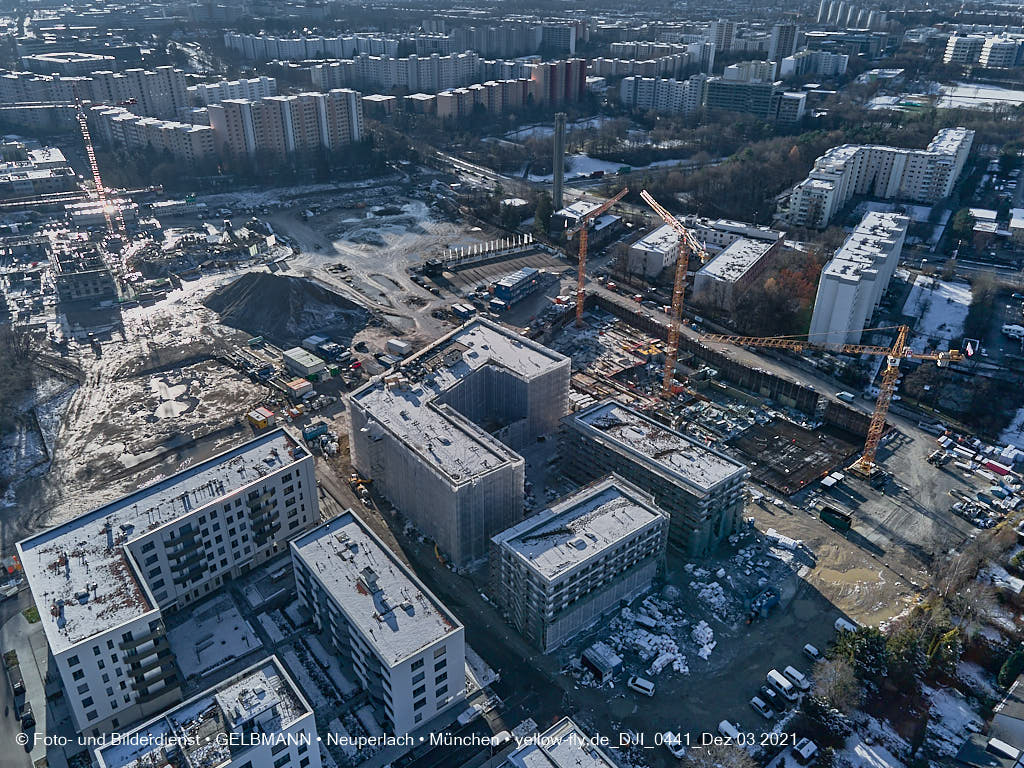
x=286, y=309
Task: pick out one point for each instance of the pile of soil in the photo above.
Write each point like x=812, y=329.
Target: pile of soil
x=286, y=309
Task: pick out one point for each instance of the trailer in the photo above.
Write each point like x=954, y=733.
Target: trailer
x=836, y=518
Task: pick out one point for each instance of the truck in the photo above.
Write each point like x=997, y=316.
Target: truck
x=846, y=397
x=836, y=518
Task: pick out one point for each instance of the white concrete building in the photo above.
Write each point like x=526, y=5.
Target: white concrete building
x=683, y=97
x=701, y=488
x=252, y=88
x=407, y=648
x=963, y=49
x=563, y=745
x=918, y=175
x=437, y=434
x=723, y=280
x=853, y=281
x=653, y=252
x=255, y=719
x=558, y=572
x=103, y=580
x=816, y=63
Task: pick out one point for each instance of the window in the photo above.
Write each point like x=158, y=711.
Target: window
x=110, y=645
x=83, y=688
x=440, y=651
x=78, y=675
x=151, y=559
x=304, y=762
x=419, y=704
x=73, y=660
x=282, y=761
x=91, y=715
x=418, y=664
x=440, y=665
x=106, y=679
x=441, y=678
x=418, y=718
x=417, y=678
x=95, y=650
x=149, y=546
x=440, y=691
x=277, y=748
x=419, y=690
x=110, y=692
x=155, y=585
x=302, y=748
x=87, y=701
x=100, y=664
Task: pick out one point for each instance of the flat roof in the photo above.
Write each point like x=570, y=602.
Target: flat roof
x=870, y=244
x=661, y=449
x=736, y=259
x=407, y=403
x=302, y=357
x=581, y=526
x=563, y=745
x=378, y=594
x=661, y=240
x=200, y=724
x=85, y=562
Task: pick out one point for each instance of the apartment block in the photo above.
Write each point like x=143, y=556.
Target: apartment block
x=918, y=175
x=652, y=252
x=813, y=63
x=683, y=97
x=701, y=488
x=722, y=281
x=252, y=88
x=407, y=648
x=103, y=581
x=963, y=49
x=783, y=41
x=563, y=745
x=560, y=571
x=437, y=435
x=854, y=280
x=558, y=82
x=117, y=126
x=257, y=718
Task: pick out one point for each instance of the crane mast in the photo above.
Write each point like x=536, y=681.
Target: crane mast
x=584, y=228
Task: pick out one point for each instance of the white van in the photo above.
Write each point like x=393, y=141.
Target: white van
x=798, y=678
x=846, y=397
x=640, y=685
x=1014, y=331
x=842, y=625
x=779, y=682
x=729, y=730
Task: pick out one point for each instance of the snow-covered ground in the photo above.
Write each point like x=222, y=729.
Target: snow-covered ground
x=862, y=755
x=948, y=719
x=940, y=309
x=1014, y=433
x=970, y=96
x=214, y=635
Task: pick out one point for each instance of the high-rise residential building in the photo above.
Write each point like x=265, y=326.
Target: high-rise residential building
x=416, y=432
x=103, y=581
x=683, y=97
x=563, y=745
x=722, y=33
x=1002, y=52
x=854, y=280
x=406, y=647
x=963, y=49
x=282, y=127
x=558, y=572
x=813, y=63
x=257, y=718
x=701, y=488
x=116, y=126
x=558, y=82
x=782, y=42
x=919, y=175
x=252, y=88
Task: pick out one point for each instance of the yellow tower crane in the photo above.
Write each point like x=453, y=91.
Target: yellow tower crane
x=687, y=245
x=584, y=228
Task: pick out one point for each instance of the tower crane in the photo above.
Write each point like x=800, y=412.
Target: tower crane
x=894, y=355
x=687, y=245
x=583, y=228
x=114, y=227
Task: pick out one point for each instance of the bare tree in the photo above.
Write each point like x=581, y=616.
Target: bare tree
x=835, y=682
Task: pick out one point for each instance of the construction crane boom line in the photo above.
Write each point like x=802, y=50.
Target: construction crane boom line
x=894, y=355
x=583, y=228
x=101, y=191
x=687, y=244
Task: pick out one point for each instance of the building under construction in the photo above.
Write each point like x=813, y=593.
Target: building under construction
x=701, y=488
x=82, y=274
x=436, y=435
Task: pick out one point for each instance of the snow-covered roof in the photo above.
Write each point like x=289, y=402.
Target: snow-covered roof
x=581, y=527
x=871, y=243
x=661, y=240
x=409, y=403
x=736, y=259
x=662, y=450
x=201, y=726
x=83, y=570
x=378, y=594
x=563, y=745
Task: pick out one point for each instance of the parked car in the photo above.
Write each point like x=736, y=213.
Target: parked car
x=804, y=750
x=26, y=716
x=782, y=684
x=728, y=730
x=842, y=625
x=771, y=697
x=674, y=743
x=798, y=678
x=762, y=708
x=812, y=653
x=640, y=685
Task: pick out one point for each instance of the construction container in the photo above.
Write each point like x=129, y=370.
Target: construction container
x=312, y=342
x=313, y=431
x=398, y=347
x=260, y=418
x=835, y=518
x=518, y=285
x=298, y=387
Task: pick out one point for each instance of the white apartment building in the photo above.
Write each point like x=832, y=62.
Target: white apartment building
x=919, y=175
x=653, y=252
x=682, y=97
x=267, y=47
x=963, y=49
x=416, y=432
x=255, y=719
x=558, y=572
x=1002, y=52
x=103, y=580
x=723, y=280
x=855, y=278
x=817, y=63
x=407, y=648
x=117, y=126
x=716, y=234
x=252, y=88
x=563, y=745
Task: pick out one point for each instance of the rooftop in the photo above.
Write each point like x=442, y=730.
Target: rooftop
x=661, y=449
x=870, y=243
x=661, y=240
x=408, y=404
x=736, y=259
x=263, y=692
x=581, y=526
x=563, y=745
x=376, y=592
x=82, y=570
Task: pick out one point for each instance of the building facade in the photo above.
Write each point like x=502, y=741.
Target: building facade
x=406, y=647
x=560, y=571
x=853, y=281
x=103, y=580
x=701, y=488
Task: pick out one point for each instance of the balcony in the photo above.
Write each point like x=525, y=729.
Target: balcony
x=194, y=573
x=139, y=671
x=135, y=642
x=159, y=644
x=197, y=555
